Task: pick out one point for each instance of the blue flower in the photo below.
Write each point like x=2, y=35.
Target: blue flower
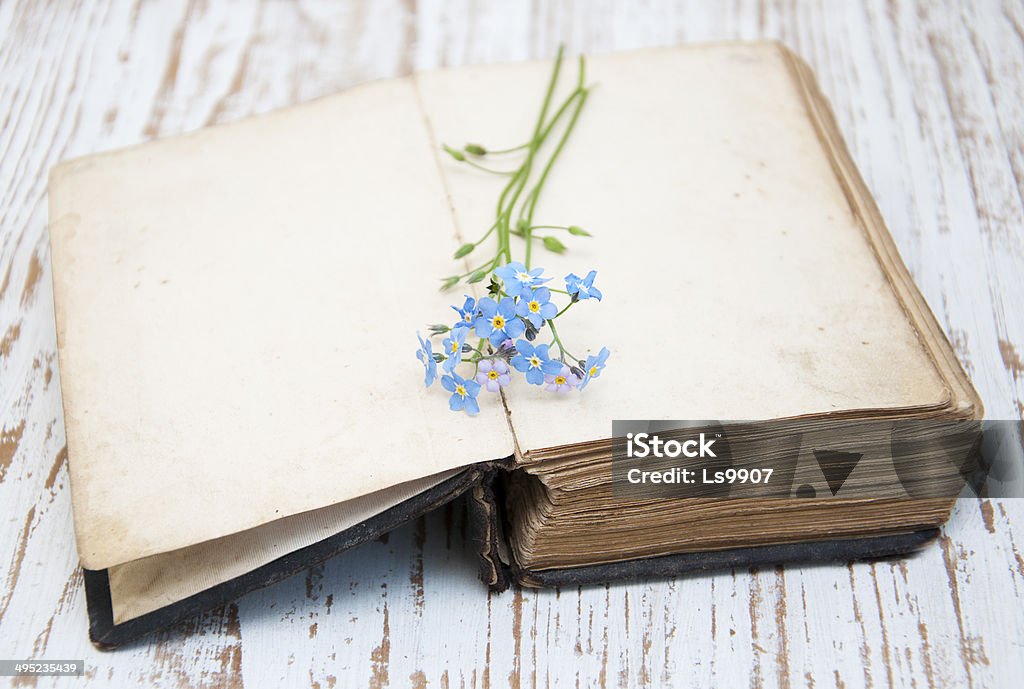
x=534, y=362
x=518, y=279
x=498, y=321
x=426, y=356
x=594, y=366
x=583, y=288
x=467, y=314
x=453, y=348
x=535, y=306
x=463, y=391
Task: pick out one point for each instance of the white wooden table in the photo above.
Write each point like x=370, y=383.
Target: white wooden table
x=931, y=99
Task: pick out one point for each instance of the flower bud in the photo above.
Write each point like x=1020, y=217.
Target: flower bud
x=464, y=250
x=453, y=153
x=475, y=149
x=478, y=276
x=449, y=282
x=438, y=328
x=578, y=231
x=577, y=371
x=553, y=244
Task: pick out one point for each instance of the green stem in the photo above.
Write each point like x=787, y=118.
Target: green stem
x=547, y=130
x=520, y=233
x=504, y=245
x=487, y=233
x=502, y=151
x=561, y=349
x=478, y=166
x=512, y=196
x=548, y=227
x=554, y=156
x=535, y=145
x=578, y=92
x=567, y=307
x=493, y=263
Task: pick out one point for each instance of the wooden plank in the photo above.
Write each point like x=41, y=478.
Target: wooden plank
x=928, y=95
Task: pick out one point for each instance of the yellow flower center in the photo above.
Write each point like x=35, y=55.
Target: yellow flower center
x=455, y=347
x=534, y=307
x=460, y=390
x=493, y=375
x=535, y=361
x=498, y=322
x=559, y=380
x=593, y=371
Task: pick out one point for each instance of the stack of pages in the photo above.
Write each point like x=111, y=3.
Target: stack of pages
x=236, y=311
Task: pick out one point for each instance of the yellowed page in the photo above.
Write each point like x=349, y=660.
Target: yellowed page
x=236, y=315
x=153, y=582
x=738, y=283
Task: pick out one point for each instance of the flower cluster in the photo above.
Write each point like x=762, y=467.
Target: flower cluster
x=498, y=334
x=506, y=325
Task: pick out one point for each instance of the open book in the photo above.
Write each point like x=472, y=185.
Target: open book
x=236, y=311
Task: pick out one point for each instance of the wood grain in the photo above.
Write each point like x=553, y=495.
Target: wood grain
x=929, y=97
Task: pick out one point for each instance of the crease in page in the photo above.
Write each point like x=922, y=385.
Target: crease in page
x=435, y=148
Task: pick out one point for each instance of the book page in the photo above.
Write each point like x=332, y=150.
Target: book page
x=236, y=316
x=150, y=583
x=738, y=282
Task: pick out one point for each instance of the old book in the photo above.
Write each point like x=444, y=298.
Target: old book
x=235, y=310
